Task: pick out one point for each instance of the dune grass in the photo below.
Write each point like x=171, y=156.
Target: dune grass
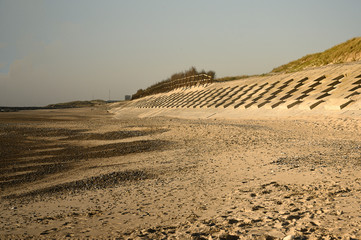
x=348, y=51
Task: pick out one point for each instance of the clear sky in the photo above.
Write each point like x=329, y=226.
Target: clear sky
x=58, y=51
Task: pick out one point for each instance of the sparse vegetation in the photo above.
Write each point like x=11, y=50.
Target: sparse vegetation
x=232, y=78
x=190, y=77
x=77, y=104
x=348, y=51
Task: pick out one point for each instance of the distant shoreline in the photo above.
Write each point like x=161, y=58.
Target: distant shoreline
x=16, y=109
x=74, y=104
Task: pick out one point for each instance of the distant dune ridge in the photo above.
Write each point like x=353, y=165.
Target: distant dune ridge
x=76, y=104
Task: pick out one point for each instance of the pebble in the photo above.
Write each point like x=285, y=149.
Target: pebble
x=289, y=237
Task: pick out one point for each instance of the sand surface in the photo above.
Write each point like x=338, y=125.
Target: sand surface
x=84, y=173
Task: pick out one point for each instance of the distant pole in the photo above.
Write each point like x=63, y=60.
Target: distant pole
x=109, y=95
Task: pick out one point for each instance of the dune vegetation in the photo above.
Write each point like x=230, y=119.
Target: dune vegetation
x=77, y=104
x=348, y=51
x=191, y=76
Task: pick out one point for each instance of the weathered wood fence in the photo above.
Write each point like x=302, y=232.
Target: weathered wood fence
x=166, y=86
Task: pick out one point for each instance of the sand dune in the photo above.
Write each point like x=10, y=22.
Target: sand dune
x=328, y=90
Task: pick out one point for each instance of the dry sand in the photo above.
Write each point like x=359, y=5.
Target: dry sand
x=82, y=173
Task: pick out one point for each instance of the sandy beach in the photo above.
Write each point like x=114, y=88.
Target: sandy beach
x=176, y=120
x=85, y=173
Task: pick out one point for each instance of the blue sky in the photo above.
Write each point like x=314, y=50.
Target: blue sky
x=58, y=51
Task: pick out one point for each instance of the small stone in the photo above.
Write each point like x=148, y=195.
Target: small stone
x=267, y=237
x=196, y=235
x=292, y=217
x=255, y=208
x=150, y=230
x=44, y=232
x=226, y=236
x=289, y=237
x=232, y=221
x=315, y=223
x=339, y=212
x=319, y=211
x=247, y=221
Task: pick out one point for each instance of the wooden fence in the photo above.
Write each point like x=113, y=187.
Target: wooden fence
x=166, y=86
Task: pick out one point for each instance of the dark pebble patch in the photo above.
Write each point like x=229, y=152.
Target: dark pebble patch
x=96, y=182
x=26, y=155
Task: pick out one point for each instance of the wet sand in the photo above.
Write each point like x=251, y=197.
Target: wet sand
x=84, y=173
